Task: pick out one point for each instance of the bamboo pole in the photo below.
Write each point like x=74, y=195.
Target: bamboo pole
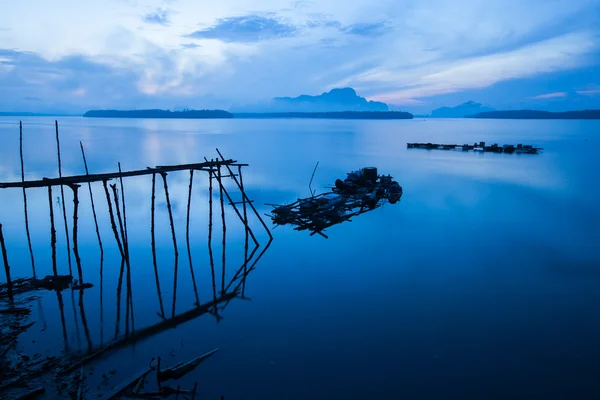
x=224, y=229
x=176, y=252
x=62, y=199
x=162, y=310
x=210, y=218
x=25, y=199
x=112, y=219
x=187, y=237
x=52, y=231
x=75, y=189
x=245, y=196
x=246, y=231
x=87, y=172
x=6, y=265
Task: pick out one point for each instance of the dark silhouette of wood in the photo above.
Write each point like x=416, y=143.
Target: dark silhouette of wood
x=52, y=231
x=6, y=265
x=152, y=330
x=25, y=199
x=126, y=241
x=75, y=189
x=210, y=218
x=187, y=237
x=245, y=211
x=79, y=179
x=162, y=310
x=119, y=289
x=112, y=219
x=175, y=251
x=224, y=225
x=62, y=199
x=245, y=197
x=87, y=172
x=61, y=307
x=126, y=257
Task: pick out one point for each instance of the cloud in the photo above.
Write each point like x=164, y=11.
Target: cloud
x=159, y=17
x=589, y=92
x=190, y=46
x=550, y=95
x=376, y=29
x=245, y=29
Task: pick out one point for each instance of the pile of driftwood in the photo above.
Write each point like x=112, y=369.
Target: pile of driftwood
x=361, y=191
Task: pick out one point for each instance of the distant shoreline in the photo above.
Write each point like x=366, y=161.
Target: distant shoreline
x=534, y=114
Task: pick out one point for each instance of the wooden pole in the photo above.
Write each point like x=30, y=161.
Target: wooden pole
x=126, y=240
x=87, y=172
x=52, y=231
x=162, y=310
x=125, y=258
x=164, y=177
x=245, y=196
x=112, y=219
x=75, y=189
x=6, y=265
x=210, y=218
x=246, y=231
x=61, y=307
x=25, y=199
x=62, y=199
x=224, y=229
x=84, y=321
x=187, y=237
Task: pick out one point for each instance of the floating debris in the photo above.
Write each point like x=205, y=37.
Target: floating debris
x=361, y=191
x=481, y=146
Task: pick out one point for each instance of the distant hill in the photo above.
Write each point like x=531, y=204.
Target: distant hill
x=336, y=100
x=534, y=114
x=460, y=111
x=331, y=115
x=186, y=114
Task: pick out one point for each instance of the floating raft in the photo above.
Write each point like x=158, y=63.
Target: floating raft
x=481, y=146
x=362, y=191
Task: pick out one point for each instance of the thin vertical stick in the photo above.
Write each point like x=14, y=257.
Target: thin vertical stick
x=112, y=219
x=87, y=172
x=164, y=177
x=224, y=229
x=126, y=241
x=77, y=333
x=187, y=237
x=62, y=199
x=75, y=189
x=194, y=391
x=210, y=218
x=119, y=288
x=52, y=231
x=6, y=265
x=25, y=199
x=126, y=256
x=162, y=310
x=246, y=229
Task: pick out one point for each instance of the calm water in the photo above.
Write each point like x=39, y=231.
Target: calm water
x=483, y=282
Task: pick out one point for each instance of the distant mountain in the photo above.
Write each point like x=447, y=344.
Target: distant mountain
x=187, y=114
x=534, y=114
x=344, y=99
x=331, y=115
x=460, y=111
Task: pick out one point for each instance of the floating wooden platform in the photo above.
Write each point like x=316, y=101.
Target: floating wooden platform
x=481, y=146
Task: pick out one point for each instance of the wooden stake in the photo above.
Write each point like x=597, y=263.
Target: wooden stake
x=246, y=231
x=162, y=310
x=6, y=265
x=84, y=322
x=126, y=241
x=52, y=231
x=62, y=199
x=210, y=218
x=112, y=219
x=87, y=172
x=25, y=199
x=224, y=229
x=187, y=237
x=75, y=189
x=164, y=177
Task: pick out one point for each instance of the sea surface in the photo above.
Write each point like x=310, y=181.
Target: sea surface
x=483, y=282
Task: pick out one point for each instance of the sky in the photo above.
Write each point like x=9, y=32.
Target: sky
x=73, y=55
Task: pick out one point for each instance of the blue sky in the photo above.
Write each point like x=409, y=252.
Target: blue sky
x=416, y=54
